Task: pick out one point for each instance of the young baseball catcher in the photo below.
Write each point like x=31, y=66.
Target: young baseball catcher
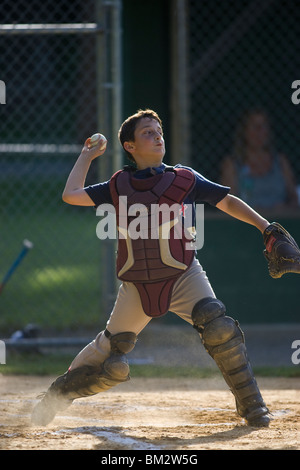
x=161, y=273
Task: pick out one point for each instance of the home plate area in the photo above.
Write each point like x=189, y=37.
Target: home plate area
x=149, y=414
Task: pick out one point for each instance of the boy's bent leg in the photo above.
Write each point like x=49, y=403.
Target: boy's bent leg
x=224, y=341
x=100, y=365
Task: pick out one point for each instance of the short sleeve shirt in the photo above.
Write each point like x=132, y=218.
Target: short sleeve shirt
x=204, y=191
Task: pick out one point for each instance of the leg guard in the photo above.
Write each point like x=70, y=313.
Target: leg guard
x=90, y=380
x=224, y=341
x=87, y=380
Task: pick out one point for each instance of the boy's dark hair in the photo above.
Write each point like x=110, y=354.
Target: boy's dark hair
x=126, y=131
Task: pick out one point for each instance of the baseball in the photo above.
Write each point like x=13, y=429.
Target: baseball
x=96, y=138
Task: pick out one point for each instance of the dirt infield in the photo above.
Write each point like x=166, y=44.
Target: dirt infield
x=150, y=414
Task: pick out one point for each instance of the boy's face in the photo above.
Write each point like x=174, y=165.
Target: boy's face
x=148, y=145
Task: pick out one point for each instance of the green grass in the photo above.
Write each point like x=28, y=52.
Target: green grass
x=58, y=363
x=35, y=364
x=58, y=284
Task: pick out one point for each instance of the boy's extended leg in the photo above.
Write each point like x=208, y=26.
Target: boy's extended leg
x=86, y=380
x=102, y=364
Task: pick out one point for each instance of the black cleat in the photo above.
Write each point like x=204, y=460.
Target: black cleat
x=258, y=417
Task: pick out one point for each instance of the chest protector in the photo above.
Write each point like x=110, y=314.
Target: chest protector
x=154, y=249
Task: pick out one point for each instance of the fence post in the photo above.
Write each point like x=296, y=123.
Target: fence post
x=109, y=99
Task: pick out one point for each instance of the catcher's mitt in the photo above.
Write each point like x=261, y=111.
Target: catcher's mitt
x=282, y=252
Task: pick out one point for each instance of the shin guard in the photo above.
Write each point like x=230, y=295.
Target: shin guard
x=224, y=340
x=86, y=380
x=90, y=380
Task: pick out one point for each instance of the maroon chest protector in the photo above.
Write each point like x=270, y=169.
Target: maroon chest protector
x=155, y=254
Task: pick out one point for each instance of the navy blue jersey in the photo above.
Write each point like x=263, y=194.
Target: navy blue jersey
x=204, y=189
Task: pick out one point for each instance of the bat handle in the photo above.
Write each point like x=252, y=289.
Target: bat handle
x=27, y=245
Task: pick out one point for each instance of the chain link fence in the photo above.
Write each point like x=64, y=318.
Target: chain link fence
x=52, y=63
x=242, y=56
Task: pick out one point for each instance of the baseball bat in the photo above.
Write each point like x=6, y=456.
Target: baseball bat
x=27, y=245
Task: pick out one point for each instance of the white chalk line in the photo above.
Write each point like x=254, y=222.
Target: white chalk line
x=115, y=437
x=112, y=436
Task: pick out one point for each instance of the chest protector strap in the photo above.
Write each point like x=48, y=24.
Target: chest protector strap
x=155, y=259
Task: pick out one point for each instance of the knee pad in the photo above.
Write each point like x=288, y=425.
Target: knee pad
x=205, y=311
x=116, y=365
x=121, y=343
x=215, y=328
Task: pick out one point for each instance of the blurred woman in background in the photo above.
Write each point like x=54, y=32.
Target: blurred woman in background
x=256, y=171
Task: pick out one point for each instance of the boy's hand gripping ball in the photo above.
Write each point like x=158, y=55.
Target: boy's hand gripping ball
x=94, y=140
